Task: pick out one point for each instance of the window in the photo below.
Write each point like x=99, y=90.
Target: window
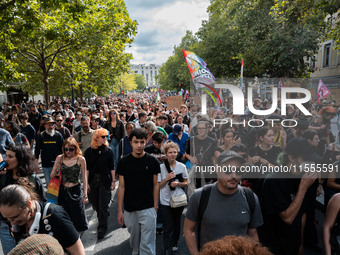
x=327, y=55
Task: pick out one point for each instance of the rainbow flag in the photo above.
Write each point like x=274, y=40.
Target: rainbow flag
x=200, y=74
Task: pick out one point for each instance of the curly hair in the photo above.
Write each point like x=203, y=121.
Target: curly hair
x=234, y=245
x=27, y=163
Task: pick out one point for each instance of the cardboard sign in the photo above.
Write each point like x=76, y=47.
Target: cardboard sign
x=174, y=102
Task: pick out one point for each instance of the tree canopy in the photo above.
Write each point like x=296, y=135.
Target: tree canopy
x=271, y=38
x=47, y=45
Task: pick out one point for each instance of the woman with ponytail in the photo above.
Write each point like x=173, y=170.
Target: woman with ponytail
x=29, y=216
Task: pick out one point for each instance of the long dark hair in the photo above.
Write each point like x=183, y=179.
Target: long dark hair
x=27, y=163
x=18, y=194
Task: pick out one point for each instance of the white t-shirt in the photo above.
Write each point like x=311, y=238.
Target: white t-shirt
x=165, y=192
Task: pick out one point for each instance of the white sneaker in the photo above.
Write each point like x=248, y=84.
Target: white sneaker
x=175, y=248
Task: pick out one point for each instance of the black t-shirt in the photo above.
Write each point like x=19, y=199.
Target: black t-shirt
x=277, y=195
x=203, y=150
x=132, y=117
x=270, y=155
x=138, y=176
x=56, y=223
x=34, y=119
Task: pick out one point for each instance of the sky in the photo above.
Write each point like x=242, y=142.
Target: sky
x=161, y=26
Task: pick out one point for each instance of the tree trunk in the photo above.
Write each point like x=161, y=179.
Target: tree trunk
x=46, y=90
x=81, y=93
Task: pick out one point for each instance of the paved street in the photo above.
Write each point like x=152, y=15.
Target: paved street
x=117, y=239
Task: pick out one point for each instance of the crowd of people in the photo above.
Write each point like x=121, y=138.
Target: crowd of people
x=163, y=159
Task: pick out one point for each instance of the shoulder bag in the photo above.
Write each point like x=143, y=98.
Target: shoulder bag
x=53, y=188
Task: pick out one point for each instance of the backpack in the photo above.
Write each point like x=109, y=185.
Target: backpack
x=249, y=194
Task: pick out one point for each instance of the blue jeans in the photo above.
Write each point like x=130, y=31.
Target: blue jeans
x=114, y=145
x=47, y=172
x=7, y=241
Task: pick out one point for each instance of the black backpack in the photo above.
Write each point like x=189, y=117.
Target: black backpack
x=204, y=202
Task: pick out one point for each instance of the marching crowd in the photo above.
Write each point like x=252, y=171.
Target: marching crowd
x=158, y=158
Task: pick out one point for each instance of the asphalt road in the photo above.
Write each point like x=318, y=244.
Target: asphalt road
x=116, y=240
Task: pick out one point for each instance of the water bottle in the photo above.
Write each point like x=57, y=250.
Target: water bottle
x=3, y=165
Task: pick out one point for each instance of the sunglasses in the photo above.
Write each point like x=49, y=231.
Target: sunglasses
x=59, y=120
x=113, y=113
x=69, y=149
x=105, y=136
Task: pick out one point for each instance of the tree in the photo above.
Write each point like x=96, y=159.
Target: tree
x=125, y=82
x=59, y=42
x=240, y=29
x=140, y=80
x=323, y=15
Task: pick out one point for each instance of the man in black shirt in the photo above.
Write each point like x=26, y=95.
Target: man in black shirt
x=34, y=117
x=155, y=148
x=138, y=188
x=284, y=200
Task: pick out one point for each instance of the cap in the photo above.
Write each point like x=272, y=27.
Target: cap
x=177, y=129
x=228, y=155
x=49, y=120
x=94, y=117
x=301, y=147
x=78, y=113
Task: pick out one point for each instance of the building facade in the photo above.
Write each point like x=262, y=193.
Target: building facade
x=149, y=72
x=326, y=66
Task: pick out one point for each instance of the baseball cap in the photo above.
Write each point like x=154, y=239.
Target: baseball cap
x=228, y=155
x=301, y=147
x=49, y=120
x=177, y=129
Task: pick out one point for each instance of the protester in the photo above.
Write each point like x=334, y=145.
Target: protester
x=172, y=181
x=21, y=206
x=283, y=196
x=101, y=177
x=48, y=144
x=125, y=147
x=138, y=172
x=236, y=245
x=116, y=132
x=84, y=135
x=5, y=140
x=14, y=129
x=38, y=244
x=27, y=129
x=150, y=128
x=21, y=163
x=332, y=224
x=60, y=127
x=179, y=137
x=208, y=206
x=71, y=166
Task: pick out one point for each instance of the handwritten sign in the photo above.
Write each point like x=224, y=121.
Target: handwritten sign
x=174, y=102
